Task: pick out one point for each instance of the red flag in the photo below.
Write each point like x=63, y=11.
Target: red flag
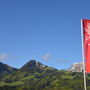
x=86, y=36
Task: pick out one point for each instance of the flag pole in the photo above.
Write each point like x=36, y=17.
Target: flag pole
x=83, y=57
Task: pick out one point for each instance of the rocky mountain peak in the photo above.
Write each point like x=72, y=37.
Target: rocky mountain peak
x=76, y=67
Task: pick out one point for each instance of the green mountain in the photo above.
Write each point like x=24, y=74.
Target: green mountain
x=30, y=69
x=5, y=70
x=36, y=76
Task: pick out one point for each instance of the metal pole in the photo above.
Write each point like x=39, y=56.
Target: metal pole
x=83, y=57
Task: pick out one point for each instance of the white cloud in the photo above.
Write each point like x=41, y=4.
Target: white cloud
x=46, y=56
x=3, y=56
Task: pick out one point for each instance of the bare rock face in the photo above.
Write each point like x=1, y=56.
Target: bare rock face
x=76, y=67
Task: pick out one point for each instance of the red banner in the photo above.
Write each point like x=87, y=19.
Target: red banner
x=86, y=36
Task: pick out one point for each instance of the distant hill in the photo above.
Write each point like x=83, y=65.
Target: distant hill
x=6, y=70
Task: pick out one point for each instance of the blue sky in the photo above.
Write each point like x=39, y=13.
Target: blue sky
x=44, y=30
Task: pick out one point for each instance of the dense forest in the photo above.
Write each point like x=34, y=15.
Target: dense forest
x=36, y=76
